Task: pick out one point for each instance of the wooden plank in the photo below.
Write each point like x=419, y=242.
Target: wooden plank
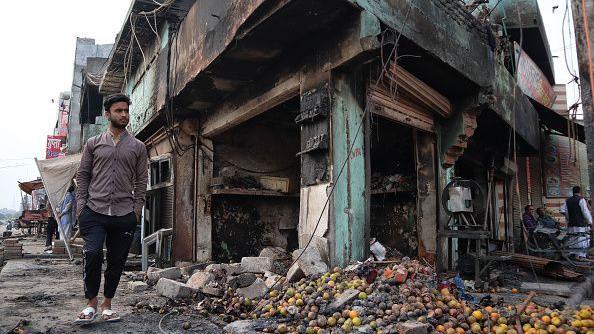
x=251, y=192
x=236, y=112
x=422, y=93
x=401, y=111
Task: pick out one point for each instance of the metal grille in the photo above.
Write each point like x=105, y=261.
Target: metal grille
x=167, y=203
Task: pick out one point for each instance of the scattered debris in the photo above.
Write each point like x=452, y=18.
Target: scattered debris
x=255, y=290
x=200, y=279
x=154, y=275
x=137, y=286
x=256, y=264
x=173, y=289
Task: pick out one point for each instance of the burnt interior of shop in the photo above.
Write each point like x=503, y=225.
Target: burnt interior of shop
x=255, y=185
x=489, y=147
x=393, y=186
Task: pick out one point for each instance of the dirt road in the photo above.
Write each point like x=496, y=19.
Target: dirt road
x=48, y=295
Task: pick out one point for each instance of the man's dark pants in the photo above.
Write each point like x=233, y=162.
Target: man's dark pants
x=50, y=230
x=117, y=233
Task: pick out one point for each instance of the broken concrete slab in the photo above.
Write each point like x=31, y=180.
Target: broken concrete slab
x=412, y=327
x=174, y=289
x=345, y=297
x=295, y=273
x=555, y=289
x=241, y=281
x=213, y=291
x=137, y=286
x=228, y=269
x=275, y=253
x=257, y=265
x=271, y=280
x=249, y=326
x=188, y=270
x=200, y=279
x=256, y=290
x=310, y=262
x=170, y=273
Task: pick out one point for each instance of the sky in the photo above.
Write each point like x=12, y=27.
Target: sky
x=36, y=64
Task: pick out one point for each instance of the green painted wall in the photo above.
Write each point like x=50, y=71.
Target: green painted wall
x=348, y=201
x=142, y=87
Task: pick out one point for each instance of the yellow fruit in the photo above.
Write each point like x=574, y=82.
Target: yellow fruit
x=440, y=328
x=356, y=321
x=551, y=329
x=475, y=328
x=478, y=315
x=555, y=321
x=526, y=327
x=500, y=330
x=585, y=313
x=546, y=319
x=502, y=321
x=362, y=295
x=331, y=321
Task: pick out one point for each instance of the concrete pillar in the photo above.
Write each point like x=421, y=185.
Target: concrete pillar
x=348, y=208
x=427, y=210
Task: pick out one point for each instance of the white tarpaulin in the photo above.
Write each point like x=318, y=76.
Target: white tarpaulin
x=57, y=175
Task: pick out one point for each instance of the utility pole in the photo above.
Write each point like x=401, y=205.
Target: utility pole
x=583, y=21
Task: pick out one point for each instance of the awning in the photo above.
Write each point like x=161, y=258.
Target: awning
x=57, y=174
x=29, y=186
x=559, y=123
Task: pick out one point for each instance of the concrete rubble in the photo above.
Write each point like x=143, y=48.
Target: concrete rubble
x=256, y=290
x=137, y=286
x=310, y=261
x=200, y=279
x=173, y=289
x=257, y=265
x=154, y=275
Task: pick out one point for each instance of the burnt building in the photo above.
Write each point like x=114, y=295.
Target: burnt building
x=283, y=123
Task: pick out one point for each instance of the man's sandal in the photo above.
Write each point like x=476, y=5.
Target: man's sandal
x=88, y=311
x=110, y=316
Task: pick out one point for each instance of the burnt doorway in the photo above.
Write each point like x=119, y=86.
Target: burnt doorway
x=393, y=186
x=255, y=185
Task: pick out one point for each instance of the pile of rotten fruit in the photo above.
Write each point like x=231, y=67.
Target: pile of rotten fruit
x=390, y=299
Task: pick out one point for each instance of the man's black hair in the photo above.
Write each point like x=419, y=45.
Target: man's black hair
x=527, y=207
x=115, y=98
x=577, y=190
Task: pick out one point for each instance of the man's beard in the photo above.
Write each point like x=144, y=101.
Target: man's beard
x=117, y=125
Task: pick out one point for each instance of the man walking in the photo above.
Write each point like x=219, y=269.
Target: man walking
x=579, y=220
x=110, y=194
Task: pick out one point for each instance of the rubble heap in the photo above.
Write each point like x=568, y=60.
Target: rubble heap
x=403, y=296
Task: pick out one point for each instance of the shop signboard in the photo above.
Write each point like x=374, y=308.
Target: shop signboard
x=565, y=166
x=54, y=146
x=63, y=125
x=531, y=80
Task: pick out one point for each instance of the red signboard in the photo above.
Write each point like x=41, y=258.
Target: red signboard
x=63, y=125
x=54, y=146
x=531, y=80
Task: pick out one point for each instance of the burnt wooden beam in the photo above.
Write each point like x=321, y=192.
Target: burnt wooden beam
x=347, y=45
x=235, y=112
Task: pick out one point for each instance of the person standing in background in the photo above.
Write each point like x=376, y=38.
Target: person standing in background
x=66, y=215
x=579, y=220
